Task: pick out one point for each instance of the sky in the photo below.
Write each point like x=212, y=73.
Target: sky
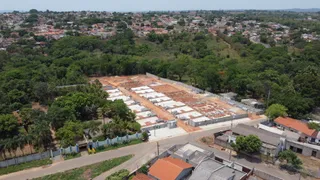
x=153, y=5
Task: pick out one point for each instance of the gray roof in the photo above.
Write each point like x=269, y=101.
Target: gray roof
x=291, y=135
x=192, y=154
x=210, y=169
x=226, y=173
x=205, y=169
x=265, y=136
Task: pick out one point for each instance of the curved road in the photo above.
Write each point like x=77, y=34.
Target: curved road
x=142, y=153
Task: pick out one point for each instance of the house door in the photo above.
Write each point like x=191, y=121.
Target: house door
x=314, y=153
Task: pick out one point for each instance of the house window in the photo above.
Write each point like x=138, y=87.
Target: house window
x=299, y=150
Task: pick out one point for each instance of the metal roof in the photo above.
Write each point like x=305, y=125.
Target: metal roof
x=264, y=136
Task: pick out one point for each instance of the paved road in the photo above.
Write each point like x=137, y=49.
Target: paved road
x=143, y=152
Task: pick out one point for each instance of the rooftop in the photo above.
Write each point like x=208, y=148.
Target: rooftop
x=141, y=176
x=210, y=169
x=193, y=153
x=296, y=125
x=168, y=168
x=264, y=136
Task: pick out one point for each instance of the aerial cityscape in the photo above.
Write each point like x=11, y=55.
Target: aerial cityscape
x=160, y=91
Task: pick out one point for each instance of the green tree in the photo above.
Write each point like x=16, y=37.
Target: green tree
x=291, y=159
x=58, y=116
x=248, y=144
x=40, y=132
x=27, y=117
x=314, y=125
x=9, y=126
x=70, y=133
x=276, y=110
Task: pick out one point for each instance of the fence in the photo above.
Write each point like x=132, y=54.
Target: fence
x=24, y=159
x=68, y=150
x=264, y=175
x=109, y=142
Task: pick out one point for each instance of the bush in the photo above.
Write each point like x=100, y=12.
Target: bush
x=100, y=148
x=292, y=160
x=143, y=169
x=71, y=155
x=145, y=136
x=118, y=175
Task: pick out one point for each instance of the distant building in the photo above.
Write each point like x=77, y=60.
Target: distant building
x=306, y=134
x=229, y=95
x=253, y=103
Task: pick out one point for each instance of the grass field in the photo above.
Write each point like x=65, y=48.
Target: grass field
x=24, y=166
x=87, y=172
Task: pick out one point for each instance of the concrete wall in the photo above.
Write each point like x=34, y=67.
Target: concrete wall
x=264, y=175
x=38, y=156
x=24, y=159
x=217, y=120
x=306, y=151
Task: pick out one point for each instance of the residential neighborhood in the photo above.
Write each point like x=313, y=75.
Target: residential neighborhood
x=159, y=90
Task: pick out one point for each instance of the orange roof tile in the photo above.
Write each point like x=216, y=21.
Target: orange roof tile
x=168, y=168
x=141, y=176
x=297, y=125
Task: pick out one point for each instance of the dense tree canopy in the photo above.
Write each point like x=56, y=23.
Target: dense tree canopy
x=56, y=76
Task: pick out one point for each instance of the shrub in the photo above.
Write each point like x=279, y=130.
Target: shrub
x=145, y=136
x=118, y=175
x=143, y=169
x=100, y=148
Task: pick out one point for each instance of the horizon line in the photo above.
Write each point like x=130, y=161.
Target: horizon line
x=240, y=9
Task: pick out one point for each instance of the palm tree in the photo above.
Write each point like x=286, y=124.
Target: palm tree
x=104, y=112
x=28, y=140
x=41, y=134
x=9, y=146
x=2, y=149
x=15, y=145
x=21, y=141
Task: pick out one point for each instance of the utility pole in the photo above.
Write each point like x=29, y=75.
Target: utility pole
x=230, y=150
x=158, y=147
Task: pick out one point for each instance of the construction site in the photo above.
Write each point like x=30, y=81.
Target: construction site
x=162, y=103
